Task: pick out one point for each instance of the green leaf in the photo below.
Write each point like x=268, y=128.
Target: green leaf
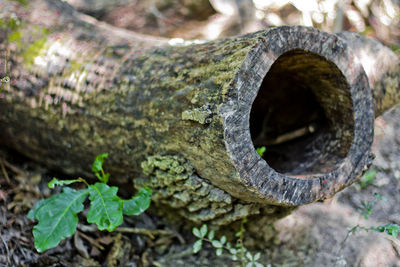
x=390, y=229
x=197, y=246
x=139, y=203
x=32, y=213
x=257, y=256
x=249, y=256
x=219, y=251
x=223, y=239
x=97, y=168
x=57, y=217
x=261, y=150
x=211, y=235
x=368, y=178
x=196, y=232
x=233, y=251
x=55, y=182
x=203, y=230
x=216, y=244
x=105, y=207
x=98, y=162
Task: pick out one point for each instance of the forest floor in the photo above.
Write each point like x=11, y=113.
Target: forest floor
x=313, y=235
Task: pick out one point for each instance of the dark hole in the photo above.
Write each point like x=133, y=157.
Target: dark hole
x=303, y=115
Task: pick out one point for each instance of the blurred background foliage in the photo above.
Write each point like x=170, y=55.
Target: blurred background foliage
x=210, y=19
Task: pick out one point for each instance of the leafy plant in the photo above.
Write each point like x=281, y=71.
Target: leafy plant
x=238, y=252
x=57, y=216
x=261, y=150
x=365, y=209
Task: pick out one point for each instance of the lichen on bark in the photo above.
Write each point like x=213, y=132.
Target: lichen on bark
x=176, y=184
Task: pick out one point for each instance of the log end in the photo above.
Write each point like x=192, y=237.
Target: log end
x=309, y=103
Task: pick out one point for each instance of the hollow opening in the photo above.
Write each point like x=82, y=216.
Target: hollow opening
x=303, y=115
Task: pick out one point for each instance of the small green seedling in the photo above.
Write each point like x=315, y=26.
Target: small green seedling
x=57, y=216
x=238, y=252
x=366, y=206
x=368, y=178
x=261, y=150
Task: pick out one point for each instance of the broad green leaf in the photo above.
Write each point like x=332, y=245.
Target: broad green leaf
x=38, y=205
x=55, y=182
x=139, y=203
x=196, y=232
x=257, y=256
x=203, y=230
x=57, y=217
x=218, y=251
x=105, y=207
x=197, y=246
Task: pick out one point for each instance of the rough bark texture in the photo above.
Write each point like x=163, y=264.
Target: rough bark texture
x=184, y=118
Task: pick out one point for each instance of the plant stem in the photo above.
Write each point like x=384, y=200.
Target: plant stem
x=80, y=179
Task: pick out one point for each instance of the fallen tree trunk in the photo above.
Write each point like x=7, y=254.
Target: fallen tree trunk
x=188, y=115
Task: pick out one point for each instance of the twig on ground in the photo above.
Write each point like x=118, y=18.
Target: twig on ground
x=148, y=232
x=91, y=240
x=8, y=251
x=13, y=168
x=3, y=169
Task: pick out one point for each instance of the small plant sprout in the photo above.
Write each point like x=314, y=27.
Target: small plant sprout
x=238, y=252
x=368, y=178
x=57, y=216
x=261, y=150
x=365, y=209
x=97, y=168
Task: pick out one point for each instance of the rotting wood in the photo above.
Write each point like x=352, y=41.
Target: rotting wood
x=181, y=118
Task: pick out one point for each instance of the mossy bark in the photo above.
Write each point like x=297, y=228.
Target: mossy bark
x=177, y=117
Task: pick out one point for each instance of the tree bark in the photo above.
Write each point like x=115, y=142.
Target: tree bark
x=184, y=118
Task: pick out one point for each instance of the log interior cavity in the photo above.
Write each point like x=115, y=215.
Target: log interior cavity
x=303, y=115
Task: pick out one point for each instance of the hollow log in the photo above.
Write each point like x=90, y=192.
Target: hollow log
x=185, y=117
